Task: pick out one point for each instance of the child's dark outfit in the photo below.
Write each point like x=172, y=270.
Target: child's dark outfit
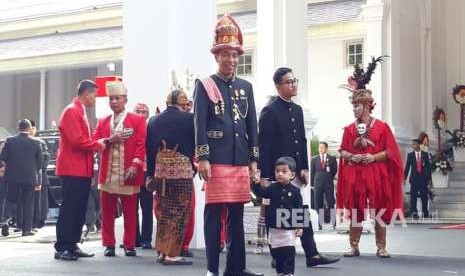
x=283, y=199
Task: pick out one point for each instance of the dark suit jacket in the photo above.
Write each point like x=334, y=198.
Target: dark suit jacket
x=23, y=157
x=411, y=165
x=320, y=176
x=281, y=133
x=176, y=127
x=43, y=177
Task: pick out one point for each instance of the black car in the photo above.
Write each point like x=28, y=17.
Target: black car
x=52, y=138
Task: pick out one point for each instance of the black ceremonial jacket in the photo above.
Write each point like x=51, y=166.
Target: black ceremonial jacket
x=226, y=134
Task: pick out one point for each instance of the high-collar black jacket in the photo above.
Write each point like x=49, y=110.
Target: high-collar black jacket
x=227, y=134
x=282, y=197
x=281, y=133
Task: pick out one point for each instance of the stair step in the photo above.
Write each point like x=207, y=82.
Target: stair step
x=449, y=198
x=459, y=206
x=457, y=184
x=459, y=166
x=448, y=214
x=457, y=176
x=449, y=191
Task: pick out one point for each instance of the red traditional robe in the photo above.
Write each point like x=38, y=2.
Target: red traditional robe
x=377, y=185
x=134, y=147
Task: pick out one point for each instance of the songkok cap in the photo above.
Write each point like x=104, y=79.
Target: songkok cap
x=116, y=88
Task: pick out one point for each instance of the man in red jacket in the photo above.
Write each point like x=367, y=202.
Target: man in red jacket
x=75, y=166
x=121, y=168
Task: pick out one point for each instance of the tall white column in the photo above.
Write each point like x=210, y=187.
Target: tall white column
x=161, y=36
x=281, y=41
x=373, y=13
x=42, y=99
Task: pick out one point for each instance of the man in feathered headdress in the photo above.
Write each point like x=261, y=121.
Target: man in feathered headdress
x=370, y=173
x=226, y=146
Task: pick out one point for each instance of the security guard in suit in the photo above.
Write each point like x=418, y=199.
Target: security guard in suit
x=226, y=147
x=323, y=168
x=419, y=166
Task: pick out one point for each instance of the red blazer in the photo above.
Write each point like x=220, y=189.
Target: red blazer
x=134, y=147
x=75, y=155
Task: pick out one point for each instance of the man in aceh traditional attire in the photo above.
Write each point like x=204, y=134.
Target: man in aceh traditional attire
x=170, y=152
x=121, y=168
x=226, y=146
x=370, y=173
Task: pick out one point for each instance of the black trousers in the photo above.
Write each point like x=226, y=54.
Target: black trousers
x=72, y=212
x=3, y=190
x=235, y=258
x=325, y=191
x=285, y=259
x=37, y=209
x=43, y=203
x=145, y=199
x=421, y=188
x=23, y=195
x=308, y=241
x=93, y=207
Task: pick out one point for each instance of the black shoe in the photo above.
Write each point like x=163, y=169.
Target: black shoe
x=187, y=254
x=81, y=254
x=109, y=251
x=245, y=272
x=320, y=260
x=5, y=230
x=146, y=245
x=66, y=255
x=130, y=252
x=27, y=233
x=415, y=215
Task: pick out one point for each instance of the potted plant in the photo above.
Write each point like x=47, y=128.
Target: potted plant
x=440, y=169
x=458, y=141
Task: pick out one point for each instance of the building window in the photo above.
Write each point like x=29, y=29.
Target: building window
x=245, y=65
x=354, y=53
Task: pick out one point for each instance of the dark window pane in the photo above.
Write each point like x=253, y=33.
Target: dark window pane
x=240, y=70
x=248, y=70
x=359, y=59
x=248, y=59
x=359, y=48
x=351, y=60
x=351, y=49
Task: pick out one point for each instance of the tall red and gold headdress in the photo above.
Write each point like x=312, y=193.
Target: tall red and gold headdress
x=228, y=35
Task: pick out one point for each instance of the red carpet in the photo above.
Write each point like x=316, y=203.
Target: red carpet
x=453, y=227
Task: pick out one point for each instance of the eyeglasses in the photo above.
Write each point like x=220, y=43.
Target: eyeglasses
x=291, y=82
x=141, y=112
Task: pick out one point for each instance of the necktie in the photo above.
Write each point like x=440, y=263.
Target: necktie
x=322, y=162
x=418, y=163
